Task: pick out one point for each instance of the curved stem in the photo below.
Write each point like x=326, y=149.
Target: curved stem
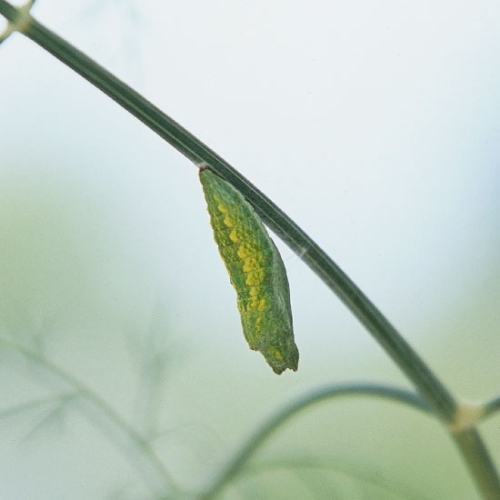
x=116, y=428
x=262, y=433
x=491, y=407
x=388, y=487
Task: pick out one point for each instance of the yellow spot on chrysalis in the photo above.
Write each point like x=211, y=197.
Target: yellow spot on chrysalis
x=220, y=206
x=250, y=264
x=253, y=303
x=228, y=221
x=245, y=250
x=255, y=278
x=275, y=353
x=258, y=325
x=256, y=303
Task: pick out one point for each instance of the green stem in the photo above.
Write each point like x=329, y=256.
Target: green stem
x=491, y=407
x=386, y=487
x=97, y=410
x=479, y=462
x=271, y=424
x=36, y=403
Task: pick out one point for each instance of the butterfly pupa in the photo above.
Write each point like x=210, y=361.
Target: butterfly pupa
x=256, y=271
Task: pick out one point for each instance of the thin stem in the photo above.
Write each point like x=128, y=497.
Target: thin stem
x=262, y=433
x=491, y=407
x=102, y=414
x=36, y=403
x=385, y=485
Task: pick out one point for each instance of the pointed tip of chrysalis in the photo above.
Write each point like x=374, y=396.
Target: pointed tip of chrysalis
x=280, y=361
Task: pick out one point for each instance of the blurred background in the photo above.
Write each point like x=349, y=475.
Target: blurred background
x=375, y=126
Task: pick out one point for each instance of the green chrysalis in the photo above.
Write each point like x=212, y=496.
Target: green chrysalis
x=256, y=270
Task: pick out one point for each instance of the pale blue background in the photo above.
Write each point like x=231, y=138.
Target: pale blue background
x=375, y=125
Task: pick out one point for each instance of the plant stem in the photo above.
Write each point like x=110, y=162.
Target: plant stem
x=479, y=462
x=135, y=447
x=271, y=424
x=491, y=407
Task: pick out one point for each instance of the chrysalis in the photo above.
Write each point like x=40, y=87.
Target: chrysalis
x=256, y=270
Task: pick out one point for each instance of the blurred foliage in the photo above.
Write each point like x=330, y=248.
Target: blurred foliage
x=108, y=360
x=68, y=361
